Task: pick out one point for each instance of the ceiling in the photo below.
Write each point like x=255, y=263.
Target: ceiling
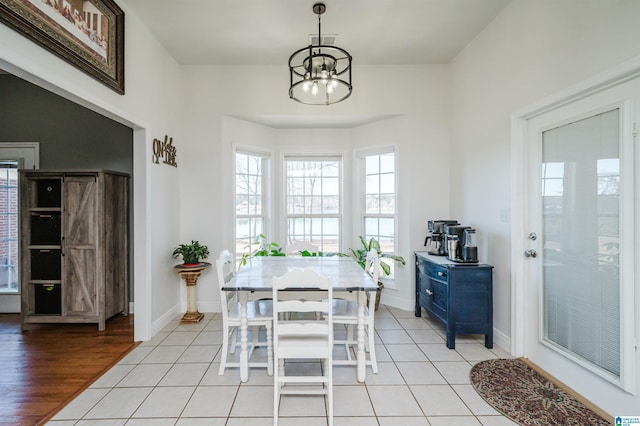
x=267, y=32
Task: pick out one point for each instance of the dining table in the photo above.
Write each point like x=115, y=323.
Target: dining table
x=256, y=277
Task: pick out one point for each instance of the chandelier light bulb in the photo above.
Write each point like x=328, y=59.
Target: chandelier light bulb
x=317, y=64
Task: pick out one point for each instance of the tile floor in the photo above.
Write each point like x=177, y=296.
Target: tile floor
x=173, y=380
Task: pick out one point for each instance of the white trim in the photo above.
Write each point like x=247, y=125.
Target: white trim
x=625, y=72
x=142, y=147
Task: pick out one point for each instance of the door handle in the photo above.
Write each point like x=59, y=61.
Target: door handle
x=530, y=253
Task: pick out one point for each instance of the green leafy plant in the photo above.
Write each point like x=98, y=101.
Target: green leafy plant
x=360, y=255
x=265, y=248
x=191, y=253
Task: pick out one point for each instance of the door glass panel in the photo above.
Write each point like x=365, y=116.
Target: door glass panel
x=581, y=228
x=8, y=226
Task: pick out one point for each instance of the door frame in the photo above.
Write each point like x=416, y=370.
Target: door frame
x=519, y=193
x=10, y=303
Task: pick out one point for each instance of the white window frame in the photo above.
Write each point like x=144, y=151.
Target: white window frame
x=361, y=214
x=266, y=198
x=339, y=158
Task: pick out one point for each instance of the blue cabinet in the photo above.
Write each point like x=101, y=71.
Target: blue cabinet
x=460, y=296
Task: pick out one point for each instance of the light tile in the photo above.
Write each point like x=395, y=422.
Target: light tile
x=501, y=352
x=137, y=355
x=406, y=353
x=81, y=405
x=388, y=374
x=165, y=402
x=164, y=355
x=427, y=335
x=394, y=337
x=205, y=421
x=300, y=406
x=119, y=403
x=440, y=352
x=453, y=421
x=474, y=352
x=474, y=401
x=420, y=373
x=351, y=401
x=231, y=376
x=173, y=380
x=144, y=375
x=403, y=421
x=455, y=373
x=157, y=339
x=113, y=376
x=354, y=421
x=393, y=401
x=253, y=401
x=204, y=353
x=208, y=338
x=387, y=324
x=180, y=338
x=414, y=324
x=210, y=401
x=151, y=422
x=184, y=375
x=439, y=400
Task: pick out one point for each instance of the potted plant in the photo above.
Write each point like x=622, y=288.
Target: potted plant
x=191, y=253
x=360, y=255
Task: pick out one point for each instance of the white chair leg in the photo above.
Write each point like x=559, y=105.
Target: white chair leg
x=234, y=338
x=269, y=352
x=372, y=349
x=225, y=349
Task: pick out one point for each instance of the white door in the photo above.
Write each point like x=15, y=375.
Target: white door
x=13, y=156
x=579, y=248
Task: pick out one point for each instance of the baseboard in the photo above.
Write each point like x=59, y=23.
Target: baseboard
x=131, y=305
x=165, y=319
x=502, y=340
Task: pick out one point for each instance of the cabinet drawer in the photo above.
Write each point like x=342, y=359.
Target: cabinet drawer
x=438, y=272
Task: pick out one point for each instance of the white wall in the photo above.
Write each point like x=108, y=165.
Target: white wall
x=532, y=49
x=417, y=96
x=151, y=107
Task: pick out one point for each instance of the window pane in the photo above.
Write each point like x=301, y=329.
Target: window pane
x=249, y=199
x=387, y=163
x=379, y=199
x=313, y=194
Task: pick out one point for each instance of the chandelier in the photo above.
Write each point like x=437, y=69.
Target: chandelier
x=320, y=74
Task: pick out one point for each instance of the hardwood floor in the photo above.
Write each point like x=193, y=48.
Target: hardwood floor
x=46, y=366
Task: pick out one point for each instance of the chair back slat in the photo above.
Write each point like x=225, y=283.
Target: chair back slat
x=225, y=272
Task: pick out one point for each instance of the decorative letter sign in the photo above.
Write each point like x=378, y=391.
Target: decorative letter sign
x=165, y=150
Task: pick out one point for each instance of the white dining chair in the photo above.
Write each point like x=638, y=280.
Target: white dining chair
x=346, y=312
x=303, y=336
x=259, y=314
x=295, y=248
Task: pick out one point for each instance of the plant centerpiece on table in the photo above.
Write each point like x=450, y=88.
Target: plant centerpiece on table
x=191, y=253
x=264, y=248
x=360, y=255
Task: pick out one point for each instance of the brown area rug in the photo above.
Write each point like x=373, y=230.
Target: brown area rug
x=519, y=392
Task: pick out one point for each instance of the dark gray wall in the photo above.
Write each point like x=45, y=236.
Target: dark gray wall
x=70, y=136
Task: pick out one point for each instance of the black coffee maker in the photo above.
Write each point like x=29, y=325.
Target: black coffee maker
x=460, y=244
x=436, y=239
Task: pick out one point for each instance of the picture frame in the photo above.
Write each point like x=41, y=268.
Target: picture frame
x=88, y=34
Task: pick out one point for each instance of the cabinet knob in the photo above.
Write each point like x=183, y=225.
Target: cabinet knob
x=440, y=273
x=429, y=292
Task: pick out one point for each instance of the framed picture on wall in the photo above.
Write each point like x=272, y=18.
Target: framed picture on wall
x=86, y=33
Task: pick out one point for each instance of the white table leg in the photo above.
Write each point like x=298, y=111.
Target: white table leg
x=244, y=350
x=362, y=357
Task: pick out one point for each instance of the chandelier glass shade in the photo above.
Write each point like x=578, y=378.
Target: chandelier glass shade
x=320, y=74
